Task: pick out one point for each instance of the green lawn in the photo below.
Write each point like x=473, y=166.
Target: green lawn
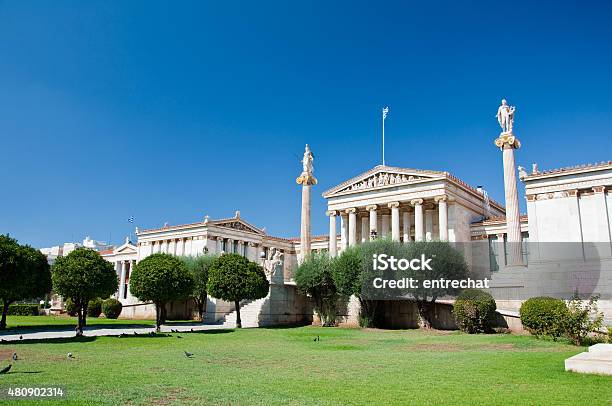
x=272, y=366
x=49, y=322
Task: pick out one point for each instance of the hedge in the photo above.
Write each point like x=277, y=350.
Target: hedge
x=111, y=308
x=474, y=311
x=94, y=307
x=544, y=316
x=23, y=310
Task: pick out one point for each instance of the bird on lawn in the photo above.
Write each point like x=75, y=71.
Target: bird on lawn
x=21, y=337
x=15, y=356
x=192, y=330
x=188, y=354
x=179, y=337
x=135, y=333
x=69, y=356
x=317, y=338
x=5, y=370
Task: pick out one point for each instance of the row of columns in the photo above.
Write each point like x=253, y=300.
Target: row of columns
x=423, y=227
x=122, y=268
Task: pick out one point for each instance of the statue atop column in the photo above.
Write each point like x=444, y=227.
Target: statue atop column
x=505, y=118
x=306, y=177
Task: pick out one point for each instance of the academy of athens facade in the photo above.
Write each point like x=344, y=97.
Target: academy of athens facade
x=563, y=244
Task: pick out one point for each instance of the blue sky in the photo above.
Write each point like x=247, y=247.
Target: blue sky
x=170, y=111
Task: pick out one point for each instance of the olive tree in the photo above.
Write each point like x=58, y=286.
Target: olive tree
x=24, y=274
x=314, y=279
x=198, y=267
x=83, y=275
x=161, y=278
x=233, y=278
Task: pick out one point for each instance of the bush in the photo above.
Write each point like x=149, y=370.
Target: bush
x=544, y=316
x=314, y=279
x=23, y=310
x=94, y=307
x=474, y=311
x=111, y=308
x=581, y=319
x=71, y=308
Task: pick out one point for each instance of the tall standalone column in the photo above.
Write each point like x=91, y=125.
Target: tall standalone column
x=333, y=240
x=122, y=267
x=373, y=221
x=406, y=225
x=395, y=221
x=507, y=143
x=352, y=226
x=307, y=180
x=442, y=217
x=419, y=235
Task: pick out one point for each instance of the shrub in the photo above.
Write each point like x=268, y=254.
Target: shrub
x=94, y=307
x=544, y=316
x=71, y=308
x=314, y=279
x=474, y=311
x=111, y=308
x=23, y=310
x=581, y=319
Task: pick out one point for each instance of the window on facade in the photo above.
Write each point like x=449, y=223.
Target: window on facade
x=525, y=246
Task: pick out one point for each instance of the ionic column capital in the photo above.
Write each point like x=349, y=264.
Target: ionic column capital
x=351, y=210
x=599, y=189
x=331, y=213
x=371, y=207
x=393, y=205
x=416, y=202
x=442, y=198
x=572, y=193
x=531, y=198
x=253, y=244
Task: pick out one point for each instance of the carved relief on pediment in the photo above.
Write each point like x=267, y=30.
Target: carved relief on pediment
x=237, y=225
x=381, y=179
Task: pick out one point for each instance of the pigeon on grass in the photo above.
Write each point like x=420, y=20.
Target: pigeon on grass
x=5, y=370
x=188, y=354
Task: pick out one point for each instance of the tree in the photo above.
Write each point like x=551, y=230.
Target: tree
x=233, y=278
x=161, y=278
x=445, y=263
x=24, y=274
x=81, y=276
x=198, y=267
x=353, y=273
x=314, y=279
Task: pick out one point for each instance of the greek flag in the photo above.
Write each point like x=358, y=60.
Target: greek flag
x=130, y=219
x=385, y=111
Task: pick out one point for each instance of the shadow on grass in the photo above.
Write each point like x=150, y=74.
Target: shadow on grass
x=58, y=340
x=219, y=331
x=68, y=327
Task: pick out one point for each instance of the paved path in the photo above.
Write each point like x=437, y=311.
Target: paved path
x=31, y=333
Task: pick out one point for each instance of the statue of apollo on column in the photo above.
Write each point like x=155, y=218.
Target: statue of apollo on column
x=505, y=117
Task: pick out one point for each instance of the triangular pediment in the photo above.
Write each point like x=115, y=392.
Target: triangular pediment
x=383, y=177
x=126, y=248
x=238, y=224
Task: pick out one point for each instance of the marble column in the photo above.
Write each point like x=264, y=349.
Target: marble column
x=219, y=245
x=333, y=248
x=419, y=235
x=373, y=219
x=307, y=181
x=406, y=225
x=352, y=226
x=501, y=250
x=442, y=217
x=122, y=268
x=241, y=248
x=507, y=143
x=395, y=221
x=365, y=233
x=429, y=223
x=343, y=231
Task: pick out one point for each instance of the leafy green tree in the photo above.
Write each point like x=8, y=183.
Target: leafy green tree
x=353, y=273
x=198, y=267
x=24, y=274
x=161, y=278
x=314, y=279
x=233, y=278
x=81, y=276
x=446, y=263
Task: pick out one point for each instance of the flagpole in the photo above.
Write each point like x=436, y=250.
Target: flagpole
x=383, y=137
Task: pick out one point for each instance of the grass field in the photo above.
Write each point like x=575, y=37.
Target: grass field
x=272, y=366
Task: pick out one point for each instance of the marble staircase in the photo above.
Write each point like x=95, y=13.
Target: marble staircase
x=249, y=314
x=597, y=360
